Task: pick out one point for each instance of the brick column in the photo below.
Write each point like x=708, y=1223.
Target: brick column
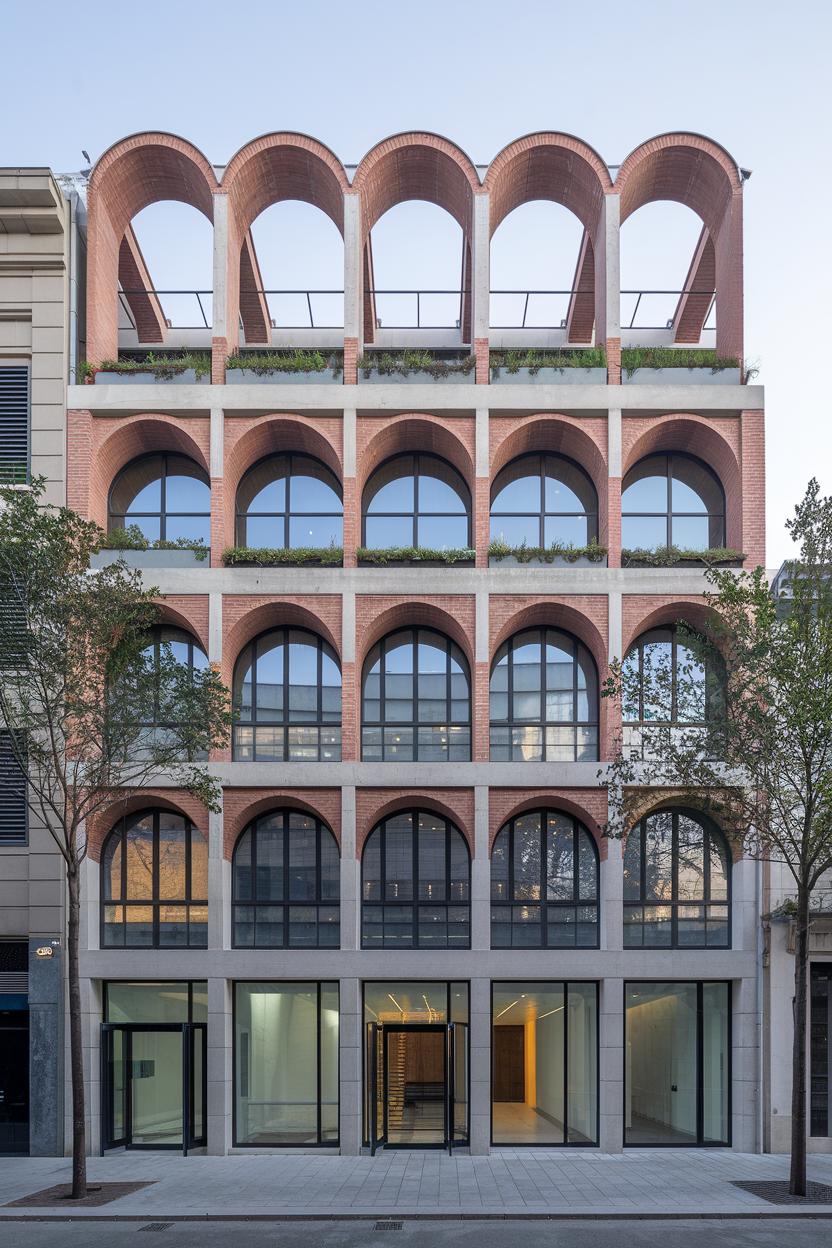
x=753, y=472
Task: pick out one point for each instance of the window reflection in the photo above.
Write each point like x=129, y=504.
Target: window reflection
x=167, y=497
x=543, y=501
x=289, y=501
x=672, y=500
x=666, y=683
x=417, y=501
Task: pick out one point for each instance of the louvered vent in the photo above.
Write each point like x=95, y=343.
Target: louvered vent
x=14, y=424
x=12, y=796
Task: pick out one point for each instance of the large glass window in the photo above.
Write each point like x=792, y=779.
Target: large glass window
x=544, y=1063
x=287, y=692
x=285, y=1063
x=291, y=501
x=168, y=497
x=154, y=882
x=167, y=644
x=416, y=703
x=154, y=1001
x=820, y=1042
x=677, y=874
x=677, y=1075
x=417, y=501
x=286, y=884
x=543, y=699
x=544, y=883
x=665, y=683
x=416, y=884
x=672, y=500
x=543, y=500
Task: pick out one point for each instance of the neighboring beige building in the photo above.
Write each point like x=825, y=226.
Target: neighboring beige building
x=40, y=247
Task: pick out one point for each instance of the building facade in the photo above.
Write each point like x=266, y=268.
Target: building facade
x=406, y=927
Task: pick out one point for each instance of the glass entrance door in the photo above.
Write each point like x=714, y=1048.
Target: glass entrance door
x=14, y=1080
x=458, y=1125
x=415, y=1085
x=155, y=1080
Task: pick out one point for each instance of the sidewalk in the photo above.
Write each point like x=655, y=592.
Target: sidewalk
x=512, y=1182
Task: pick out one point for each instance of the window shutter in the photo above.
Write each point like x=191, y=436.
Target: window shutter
x=14, y=424
x=13, y=822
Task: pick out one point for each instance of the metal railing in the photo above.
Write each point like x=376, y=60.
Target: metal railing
x=304, y=300
x=190, y=295
x=522, y=321
x=669, y=321
x=453, y=322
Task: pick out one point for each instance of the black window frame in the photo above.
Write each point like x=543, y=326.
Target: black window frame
x=543, y=903
x=415, y=903
x=541, y=514
x=643, y=903
x=669, y=514
x=249, y=654
x=285, y=902
x=123, y=519
x=714, y=683
x=381, y=725
x=542, y=723
x=155, y=901
x=287, y=514
x=417, y=457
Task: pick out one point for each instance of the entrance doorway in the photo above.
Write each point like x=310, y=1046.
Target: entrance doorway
x=155, y=1081
x=14, y=1076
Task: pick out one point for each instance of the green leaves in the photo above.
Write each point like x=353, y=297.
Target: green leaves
x=282, y=557
x=534, y=359
x=633, y=358
x=414, y=555
x=670, y=556
x=388, y=363
x=163, y=367
x=547, y=554
x=291, y=361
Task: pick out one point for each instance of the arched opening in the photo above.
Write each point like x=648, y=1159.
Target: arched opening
x=285, y=884
x=542, y=275
x=415, y=884
x=416, y=501
x=543, y=501
x=668, y=278
x=289, y=501
x=672, y=500
x=166, y=278
x=166, y=496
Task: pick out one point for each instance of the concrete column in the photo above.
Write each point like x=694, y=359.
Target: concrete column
x=220, y=1067
x=744, y=904
x=217, y=934
x=91, y=1019
x=215, y=628
x=353, y=302
x=220, y=295
x=480, y=1038
x=480, y=874
x=216, y=440
x=351, y=1033
x=745, y=1067
x=612, y=894
x=614, y=442
x=481, y=284
x=615, y=626
x=611, y=1065
x=350, y=874
x=219, y=538
x=46, y=1048
x=608, y=288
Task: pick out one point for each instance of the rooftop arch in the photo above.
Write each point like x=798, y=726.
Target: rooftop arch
x=548, y=165
x=416, y=165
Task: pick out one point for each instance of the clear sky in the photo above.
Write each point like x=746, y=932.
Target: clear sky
x=752, y=74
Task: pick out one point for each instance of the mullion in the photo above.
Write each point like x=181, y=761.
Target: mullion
x=287, y=882
x=285, y=709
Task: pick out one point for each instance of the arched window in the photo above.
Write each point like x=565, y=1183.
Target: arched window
x=167, y=496
x=418, y=501
x=672, y=500
x=416, y=704
x=287, y=691
x=544, y=883
x=666, y=683
x=154, y=883
x=416, y=884
x=286, y=884
x=543, y=500
x=167, y=643
x=544, y=699
x=677, y=893
x=290, y=501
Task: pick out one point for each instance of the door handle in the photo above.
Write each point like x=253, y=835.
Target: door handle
x=673, y=1087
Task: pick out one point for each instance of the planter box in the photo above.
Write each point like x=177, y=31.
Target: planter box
x=186, y=378
x=417, y=563
x=151, y=558
x=681, y=376
x=550, y=376
x=559, y=561
x=684, y=563
x=248, y=377
x=310, y=563
x=417, y=379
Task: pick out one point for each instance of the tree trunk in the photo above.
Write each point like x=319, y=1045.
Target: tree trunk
x=76, y=1043
x=797, y=1175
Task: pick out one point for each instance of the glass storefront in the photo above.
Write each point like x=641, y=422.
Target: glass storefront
x=677, y=1075
x=544, y=1053
x=286, y=1063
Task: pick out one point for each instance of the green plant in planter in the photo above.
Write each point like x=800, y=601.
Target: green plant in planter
x=414, y=554
x=279, y=557
x=163, y=367
x=546, y=554
x=670, y=556
x=388, y=363
x=634, y=358
x=132, y=538
x=291, y=361
x=533, y=359
x=84, y=372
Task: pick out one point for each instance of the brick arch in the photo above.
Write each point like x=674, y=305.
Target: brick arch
x=554, y=614
x=415, y=613
x=651, y=801
x=505, y=804
x=670, y=611
x=242, y=806
x=406, y=434
x=416, y=165
x=685, y=432
x=272, y=435
x=132, y=174
x=103, y=821
x=132, y=437
x=548, y=165
x=184, y=616
x=274, y=613
x=374, y=805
